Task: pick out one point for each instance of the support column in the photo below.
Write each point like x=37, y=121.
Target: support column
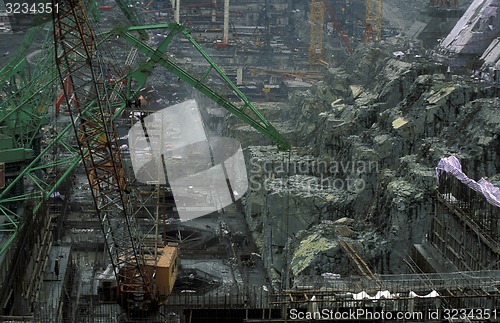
x=239, y=75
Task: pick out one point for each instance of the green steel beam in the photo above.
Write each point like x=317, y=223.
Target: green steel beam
x=17, y=62
x=22, y=114
x=24, y=108
x=247, y=112
x=132, y=16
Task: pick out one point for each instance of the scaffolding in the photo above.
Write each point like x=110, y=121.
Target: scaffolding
x=316, y=21
x=465, y=229
x=405, y=292
x=373, y=21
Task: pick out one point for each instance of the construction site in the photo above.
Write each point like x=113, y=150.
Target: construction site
x=249, y=161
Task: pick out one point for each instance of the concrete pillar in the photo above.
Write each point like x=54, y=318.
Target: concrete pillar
x=177, y=10
x=225, y=40
x=214, y=10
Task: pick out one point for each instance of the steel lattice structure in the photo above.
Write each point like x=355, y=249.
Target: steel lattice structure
x=70, y=57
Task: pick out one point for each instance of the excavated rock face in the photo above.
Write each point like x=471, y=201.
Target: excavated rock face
x=378, y=132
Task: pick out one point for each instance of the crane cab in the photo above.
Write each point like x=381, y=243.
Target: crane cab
x=161, y=272
x=166, y=271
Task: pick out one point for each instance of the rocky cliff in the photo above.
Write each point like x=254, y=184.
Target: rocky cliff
x=366, y=143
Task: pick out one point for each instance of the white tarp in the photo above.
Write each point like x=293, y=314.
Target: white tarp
x=385, y=294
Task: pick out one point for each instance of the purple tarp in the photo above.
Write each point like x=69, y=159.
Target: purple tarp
x=452, y=165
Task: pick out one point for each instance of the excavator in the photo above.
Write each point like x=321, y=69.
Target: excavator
x=142, y=270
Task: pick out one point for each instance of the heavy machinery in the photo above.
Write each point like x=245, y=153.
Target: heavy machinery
x=90, y=105
x=142, y=270
x=317, y=9
x=40, y=158
x=339, y=29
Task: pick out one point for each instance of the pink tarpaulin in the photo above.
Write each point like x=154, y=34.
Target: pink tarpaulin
x=452, y=165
